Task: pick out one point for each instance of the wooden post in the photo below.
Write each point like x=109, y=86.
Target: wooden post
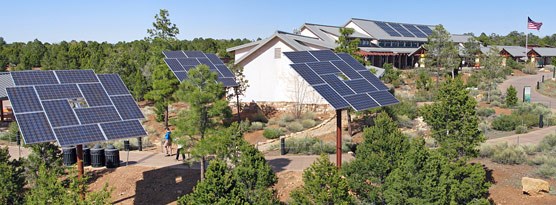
x=1, y=111
x=80, y=171
x=339, y=138
x=238, y=106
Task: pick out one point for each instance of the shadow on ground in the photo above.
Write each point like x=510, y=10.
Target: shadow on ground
x=279, y=164
x=165, y=185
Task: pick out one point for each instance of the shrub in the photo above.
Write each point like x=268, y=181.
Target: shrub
x=529, y=69
x=308, y=145
x=308, y=123
x=272, y=133
x=547, y=171
x=511, y=63
x=287, y=117
x=282, y=123
x=495, y=103
x=486, y=151
x=11, y=135
x=256, y=126
x=309, y=116
x=406, y=107
x=520, y=129
x=511, y=96
x=294, y=127
x=404, y=121
x=485, y=112
x=547, y=144
x=272, y=121
x=529, y=149
x=504, y=123
x=484, y=127
x=508, y=154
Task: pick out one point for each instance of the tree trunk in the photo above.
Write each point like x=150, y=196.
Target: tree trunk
x=202, y=168
x=166, y=116
x=238, y=107
x=349, y=122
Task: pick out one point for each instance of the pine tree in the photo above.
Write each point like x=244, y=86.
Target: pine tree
x=46, y=154
x=453, y=120
x=254, y=176
x=163, y=87
x=163, y=27
x=441, y=52
x=322, y=185
x=12, y=179
x=511, y=96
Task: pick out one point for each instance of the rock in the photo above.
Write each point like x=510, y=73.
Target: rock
x=533, y=186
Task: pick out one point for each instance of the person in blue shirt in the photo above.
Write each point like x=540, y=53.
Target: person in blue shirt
x=168, y=142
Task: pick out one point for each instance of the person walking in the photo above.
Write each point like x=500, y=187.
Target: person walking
x=168, y=142
x=181, y=151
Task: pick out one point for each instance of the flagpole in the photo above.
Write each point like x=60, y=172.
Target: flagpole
x=526, y=37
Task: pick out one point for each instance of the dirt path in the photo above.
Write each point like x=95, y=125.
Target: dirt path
x=533, y=137
x=529, y=80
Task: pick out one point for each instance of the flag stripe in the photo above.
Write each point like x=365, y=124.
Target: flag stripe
x=533, y=25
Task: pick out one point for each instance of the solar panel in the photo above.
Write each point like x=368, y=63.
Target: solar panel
x=427, y=30
x=76, y=76
x=323, y=68
x=113, y=84
x=415, y=30
x=46, y=111
x=34, y=128
x=60, y=91
x=401, y=30
x=127, y=107
x=174, y=54
x=342, y=82
x=306, y=73
x=361, y=101
x=59, y=113
x=300, y=57
x=181, y=66
x=24, y=99
x=323, y=55
x=331, y=96
x=384, y=98
x=390, y=31
x=80, y=134
x=34, y=78
x=94, y=94
x=123, y=129
x=174, y=64
x=93, y=115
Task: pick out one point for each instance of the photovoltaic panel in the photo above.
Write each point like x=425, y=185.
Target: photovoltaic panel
x=182, y=75
x=214, y=59
x=127, y=107
x=323, y=55
x=300, y=57
x=361, y=101
x=59, y=113
x=113, y=84
x=174, y=54
x=217, y=73
x=80, y=134
x=92, y=115
x=188, y=67
x=228, y=82
x=425, y=29
x=401, y=30
x=346, y=69
x=206, y=61
x=60, y=91
x=123, y=129
x=360, y=86
x=225, y=71
x=76, y=76
x=415, y=30
x=323, y=68
x=384, y=97
x=356, y=65
x=307, y=73
x=373, y=80
x=337, y=84
x=174, y=64
x=195, y=54
x=331, y=96
x=24, y=99
x=34, y=77
x=390, y=31
x=188, y=61
x=94, y=94
x=34, y=128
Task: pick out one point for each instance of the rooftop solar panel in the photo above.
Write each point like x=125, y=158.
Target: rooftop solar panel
x=76, y=76
x=427, y=30
x=24, y=99
x=60, y=91
x=300, y=57
x=34, y=78
x=123, y=129
x=113, y=84
x=418, y=33
x=127, y=107
x=180, y=66
x=79, y=134
x=401, y=30
x=94, y=94
x=323, y=55
x=34, y=128
x=342, y=82
x=389, y=30
x=174, y=54
x=93, y=115
x=59, y=113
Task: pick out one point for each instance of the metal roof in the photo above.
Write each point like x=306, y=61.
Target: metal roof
x=5, y=82
x=371, y=28
x=393, y=50
x=322, y=30
x=514, y=51
x=548, y=52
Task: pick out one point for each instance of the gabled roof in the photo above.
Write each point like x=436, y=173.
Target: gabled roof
x=371, y=28
x=6, y=81
x=322, y=30
x=393, y=50
x=295, y=41
x=544, y=52
x=514, y=51
x=460, y=38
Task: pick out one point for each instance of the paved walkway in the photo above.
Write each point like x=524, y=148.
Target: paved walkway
x=529, y=80
x=530, y=138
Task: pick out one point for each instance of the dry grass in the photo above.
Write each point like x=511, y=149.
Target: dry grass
x=548, y=88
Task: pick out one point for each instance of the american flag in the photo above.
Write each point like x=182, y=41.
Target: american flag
x=533, y=25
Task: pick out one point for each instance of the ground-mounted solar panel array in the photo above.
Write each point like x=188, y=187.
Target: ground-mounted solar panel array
x=341, y=80
x=73, y=107
x=180, y=62
x=405, y=30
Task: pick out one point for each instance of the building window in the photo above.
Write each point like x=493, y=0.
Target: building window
x=277, y=53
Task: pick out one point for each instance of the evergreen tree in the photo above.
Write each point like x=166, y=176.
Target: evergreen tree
x=511, y=96
x=453, y=120
x=12, y=179
x=163, y=87
x=254, y=176
x=492, y=69
x=163, y=27
x=323, y=184
x=441, y=51
x=43, y=154
x=383, y=146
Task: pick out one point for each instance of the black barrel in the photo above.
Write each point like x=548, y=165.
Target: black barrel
x=112, y=157
x=86, y=156
x=69, y=155
x=97, y=156
x=541, y=123
x=282, y=145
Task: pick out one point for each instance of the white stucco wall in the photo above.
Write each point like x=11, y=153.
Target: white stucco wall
x=241, y=52
x=273, y=80
x=356, y=28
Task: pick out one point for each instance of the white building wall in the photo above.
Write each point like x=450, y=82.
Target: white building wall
x=273, y=80
x=356, y=27
x=241, y=52
x=307, y=32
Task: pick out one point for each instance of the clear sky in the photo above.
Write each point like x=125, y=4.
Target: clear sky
x=127, y=20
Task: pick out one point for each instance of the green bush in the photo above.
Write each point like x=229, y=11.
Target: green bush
x=309, y=116
x=547, y=144
x=11, y=134
x=308, y=123
x=504, y=123
x=272, y=121
x=508, y=154
x=404, y=121
x=485, y=112
x=308, y=145
x=511, y=63
x=520, y=129
x=287, y=117
x=272, y=133
x=547, y=171
x=511, y=96
x=530, y=69
x=406, y=107
x=282, y=123
x=294, y=127
x=256, y=126
x=486, y=151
